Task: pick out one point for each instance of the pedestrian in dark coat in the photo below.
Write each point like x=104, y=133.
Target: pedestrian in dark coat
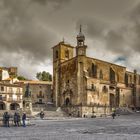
x=24, y=119
x=4, y=121
x=6, y=118
x=16, y=119
x=113, y=115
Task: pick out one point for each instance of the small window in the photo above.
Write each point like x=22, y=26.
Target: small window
x=2, y=88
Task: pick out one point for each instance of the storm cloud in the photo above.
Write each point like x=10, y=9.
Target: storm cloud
x=30, y=28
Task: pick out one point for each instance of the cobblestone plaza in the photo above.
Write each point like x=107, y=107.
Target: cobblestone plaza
x=125, y=127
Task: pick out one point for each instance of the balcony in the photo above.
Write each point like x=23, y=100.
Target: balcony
x=3, y=99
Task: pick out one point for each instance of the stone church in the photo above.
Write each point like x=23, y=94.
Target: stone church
x=83, y=85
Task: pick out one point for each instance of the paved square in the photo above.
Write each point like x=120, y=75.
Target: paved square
x=126, y=127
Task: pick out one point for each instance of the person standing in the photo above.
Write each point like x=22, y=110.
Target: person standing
x=4, y=121
x=7, y=117
x=16, y=119
x=24, y=119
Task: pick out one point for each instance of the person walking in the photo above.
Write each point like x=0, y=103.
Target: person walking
x=113, y=114
x=24, y=119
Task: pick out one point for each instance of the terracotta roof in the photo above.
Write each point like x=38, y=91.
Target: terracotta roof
x=10, y=85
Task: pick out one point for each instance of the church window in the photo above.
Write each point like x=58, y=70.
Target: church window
x=126, y=79
x=101, y=74
x=118, y=79
x=112, y=75
x=94, y=70
x=56, y=54
x=67, y=53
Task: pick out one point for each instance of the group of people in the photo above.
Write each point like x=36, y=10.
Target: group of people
x=16, y=119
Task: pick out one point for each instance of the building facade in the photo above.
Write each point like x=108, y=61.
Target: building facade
x=40, y=91
x=10, y=97
x=12, y=71
x=84, y=85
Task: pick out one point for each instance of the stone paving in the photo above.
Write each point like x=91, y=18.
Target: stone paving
x=125, y=127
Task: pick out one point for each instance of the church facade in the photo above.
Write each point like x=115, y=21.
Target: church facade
x=84, y=85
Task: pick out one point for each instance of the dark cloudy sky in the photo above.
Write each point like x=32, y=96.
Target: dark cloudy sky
x=29, y=28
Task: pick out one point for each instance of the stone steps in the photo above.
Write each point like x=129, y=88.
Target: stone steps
x=55, y=112
x=124, y=110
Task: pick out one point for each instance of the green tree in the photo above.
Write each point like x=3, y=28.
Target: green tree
x=44, y=76
x=21, y=78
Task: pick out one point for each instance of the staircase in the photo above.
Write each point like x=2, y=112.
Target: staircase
x=52, y=112
x=124, y=111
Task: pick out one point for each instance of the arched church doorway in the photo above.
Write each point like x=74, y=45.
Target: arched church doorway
x=2, y=106
x=14, y=106
x=67, y=101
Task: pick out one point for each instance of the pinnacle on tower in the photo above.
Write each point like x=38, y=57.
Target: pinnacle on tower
x=80, y=38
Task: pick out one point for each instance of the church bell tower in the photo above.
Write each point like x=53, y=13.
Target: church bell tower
x=81, y=47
